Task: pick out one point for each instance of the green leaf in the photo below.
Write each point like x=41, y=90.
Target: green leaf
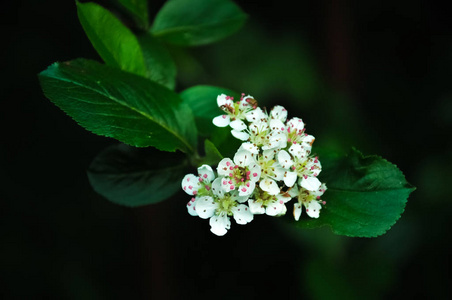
x=119, y=47
x=160, y=65
x=136, y=176
x=121, y=105
x=212, y=155
x=202, y=99
x=138, y=9
x=197, y=22
x=366, y=195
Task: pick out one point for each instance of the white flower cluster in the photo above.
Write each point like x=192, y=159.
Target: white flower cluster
x=273, y=165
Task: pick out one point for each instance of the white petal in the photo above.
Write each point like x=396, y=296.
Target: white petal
x=247, y=188
x=240, y=199
x=293, y=191
x=297, y=151
x=206, y=173
x=270, y=186
x=256, y=115
x=278, y=171
x=225, y=166
x=269, y=154
x=256, y=207
x=205, y=206
x=277, y=125
x=275, y=208
x=217, y=188
x=290, y=178
x=313, y=209
x=190, y=184
x=219, y=225
x=250, y=147
x=221, y=100
x=243, y=136
x=319, y=192
x=310, y=183
x=278, y=112
x=221, y=121
x=295, y=124
x=284, y=159
x=243, y=158
x=308, y=140
x=255, y=171
x=191, y=207
x=227, y=184
x=297, y=211
x=238, y=125
x=242, y=214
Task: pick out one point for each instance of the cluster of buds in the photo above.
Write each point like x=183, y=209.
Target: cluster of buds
x=272, y=166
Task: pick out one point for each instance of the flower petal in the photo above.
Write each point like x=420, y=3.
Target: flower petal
x=313, y=209
x=243, y=136
x=275, y=208
x=219, y=225
x=190, y=184
x=256, y=207
x=238, y=125
x=256, y=115
x=310, y=183
x=270, y=186
x=246, y=188
x=297, y=211
x=217, y=188
x=224, y=100
x=242, y=214
x=191, y=207
x=221, y=121
x=205, y=206
x=250, y=147
x=243, y=158
x=255, y=171
x=206, y=173
x=297, y=151
x=290, y=178
x=284, y=159
x=279, y=113
x=225, y=166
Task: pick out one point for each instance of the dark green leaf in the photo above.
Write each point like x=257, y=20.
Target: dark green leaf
x=197, y=22
x=120, y=47
x=212, y=155
x=202, y=99
x=160, y=65
x=136, y=176
x=366, y=195
x=138, y=9
x=121, y=105
x=114, y=42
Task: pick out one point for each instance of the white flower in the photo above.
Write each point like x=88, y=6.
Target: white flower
x=311, y=201
x=272, y=205
x=305, y=168
x=297, y=136
x=220, y=206
x=271, y=172
x=191, y=183
x=240, y=174
x=235, y=114
x=198, y=186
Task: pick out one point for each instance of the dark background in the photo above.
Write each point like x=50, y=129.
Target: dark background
x=371, y=74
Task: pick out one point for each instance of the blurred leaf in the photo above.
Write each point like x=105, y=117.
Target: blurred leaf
x=120, y=47
x=117, y=104
x=202, y=99
x=138, y=9
x=197, y=22
x=366, y=195
x=136, y=176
